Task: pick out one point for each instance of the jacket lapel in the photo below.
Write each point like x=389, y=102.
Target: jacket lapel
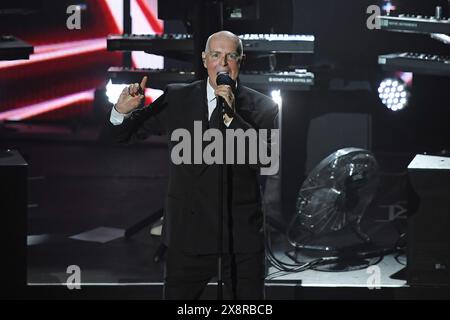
x=200, y=113
x=243, y=104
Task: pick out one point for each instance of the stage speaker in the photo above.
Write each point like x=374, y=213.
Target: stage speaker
x=428, y=251
x=13, y=237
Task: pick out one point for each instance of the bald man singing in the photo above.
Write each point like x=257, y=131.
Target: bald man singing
x=190, y=224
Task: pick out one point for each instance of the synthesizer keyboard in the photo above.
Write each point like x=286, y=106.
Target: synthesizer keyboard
x=286, y=80
x=415, y=24
x=157, y=78
x=160, y=78
x=12, y=48
x=275, y=43
x=151, y=43
x=415, y=62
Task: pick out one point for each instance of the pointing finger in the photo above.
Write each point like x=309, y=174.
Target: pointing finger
x=143, y=83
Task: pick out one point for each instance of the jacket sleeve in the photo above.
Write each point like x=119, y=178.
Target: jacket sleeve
x=265, y=117
x=142, y=123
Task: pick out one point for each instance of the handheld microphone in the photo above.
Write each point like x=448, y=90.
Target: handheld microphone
x=224, y=78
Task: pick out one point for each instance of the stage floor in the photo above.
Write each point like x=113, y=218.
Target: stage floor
x=81, y=198
x=130, y=261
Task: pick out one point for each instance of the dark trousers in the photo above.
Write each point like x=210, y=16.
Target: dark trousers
x=186, y=276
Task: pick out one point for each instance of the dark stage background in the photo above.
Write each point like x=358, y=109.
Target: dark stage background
x=53, y=104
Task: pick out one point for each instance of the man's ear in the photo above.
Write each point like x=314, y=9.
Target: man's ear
x=204, y=58
x=242, y=61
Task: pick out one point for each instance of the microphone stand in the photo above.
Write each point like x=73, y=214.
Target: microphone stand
x=220, y=126
x=221, y=168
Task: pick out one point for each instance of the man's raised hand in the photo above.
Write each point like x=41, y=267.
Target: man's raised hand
x=131, y=97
